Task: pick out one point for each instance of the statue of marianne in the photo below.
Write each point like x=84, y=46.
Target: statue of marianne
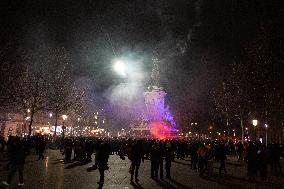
x=155, y=75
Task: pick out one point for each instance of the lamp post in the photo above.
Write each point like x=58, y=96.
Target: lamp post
x=64, y=117
x=266, y=127
x=50, y=116
x=254, y=123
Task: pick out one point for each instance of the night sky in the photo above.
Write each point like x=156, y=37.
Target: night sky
x=194, y=40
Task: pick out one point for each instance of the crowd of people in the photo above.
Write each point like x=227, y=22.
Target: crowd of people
x=160, y=153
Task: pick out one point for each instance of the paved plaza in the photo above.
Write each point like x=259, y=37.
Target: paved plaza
x=52, y=173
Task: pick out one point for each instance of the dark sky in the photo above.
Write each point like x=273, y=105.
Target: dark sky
x=194, y=55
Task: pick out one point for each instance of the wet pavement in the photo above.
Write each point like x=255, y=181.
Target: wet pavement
x=53, y=173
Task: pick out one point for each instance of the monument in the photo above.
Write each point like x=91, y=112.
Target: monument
x=157, y=121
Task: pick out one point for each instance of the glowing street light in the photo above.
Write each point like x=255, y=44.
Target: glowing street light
x=254, y=122
x=50, y=114
x=64, y=117
x=266, y=127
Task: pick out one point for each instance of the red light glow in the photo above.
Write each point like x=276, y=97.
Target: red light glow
x=160, y=130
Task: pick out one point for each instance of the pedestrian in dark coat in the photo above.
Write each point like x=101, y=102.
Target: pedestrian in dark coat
x=89, y=148
x=194, y=155
x=156, y=156
x=2, y=144
x=136, y=156
x=102, y=156
x=262, y=162
x=252, y=161
x=168, y=160
x=41, y=148
x=18, y=153
x=68, y=150
x=221, y=157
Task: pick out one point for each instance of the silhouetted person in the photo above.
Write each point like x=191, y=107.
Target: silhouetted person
x=221, y=157
x=2, y=144
x=17, y=157
x=240, y=151
x=275, y=157
x=262, y=156
x=102, y=156
x=202, y=158
x=41, y=148
x=168, y=160
x=68, y=150
x=161, y=161
x=194, y=156
x=251, y=161
x=89, y=147
x=136, y=156
x=156, y=156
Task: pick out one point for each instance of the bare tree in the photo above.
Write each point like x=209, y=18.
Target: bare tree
x=264, y=56
x=233, y=97
x=60, y=83
x=23, y=86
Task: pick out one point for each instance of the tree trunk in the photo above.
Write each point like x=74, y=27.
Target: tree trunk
x=55, y=126
x=242, y=128
x=227, y=124
x=31, y=123
x=3, y=124
x=3, y=127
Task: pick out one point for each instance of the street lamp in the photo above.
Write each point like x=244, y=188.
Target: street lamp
x=50, y=115
x=266, y=127
x=254, y=123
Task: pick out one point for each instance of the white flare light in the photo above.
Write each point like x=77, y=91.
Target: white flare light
x=64, y=117
x=119, y=67
x=254, y=122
